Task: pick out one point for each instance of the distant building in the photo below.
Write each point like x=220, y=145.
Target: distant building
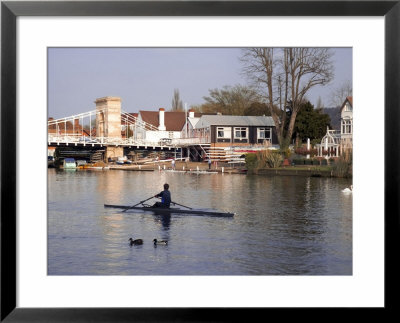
x=66, y=128
x=188, y=130
x=227, y=130
x=346, y=122
x=337, y=142
x=161, y=124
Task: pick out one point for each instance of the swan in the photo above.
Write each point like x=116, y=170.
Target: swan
x=135, y=242
x=348, y=190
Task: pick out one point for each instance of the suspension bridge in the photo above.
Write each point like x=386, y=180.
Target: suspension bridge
x=81, y=130
x=114, y=131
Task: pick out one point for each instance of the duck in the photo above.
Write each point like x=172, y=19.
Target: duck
x=348, y=190
x=135, y=242
x=163, y=242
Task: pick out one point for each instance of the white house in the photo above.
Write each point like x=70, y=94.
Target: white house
x=161, y=124
x=346, y=123
x=188, y=130
x=335, y=143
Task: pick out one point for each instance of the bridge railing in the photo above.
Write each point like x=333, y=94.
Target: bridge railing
x=68, y=138
x=114, y=141
x=190, y=141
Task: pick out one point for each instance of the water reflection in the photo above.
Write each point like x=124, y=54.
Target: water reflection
x=282, y=225
x=162, y=219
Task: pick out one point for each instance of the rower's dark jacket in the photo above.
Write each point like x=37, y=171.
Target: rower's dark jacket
x=165, y=197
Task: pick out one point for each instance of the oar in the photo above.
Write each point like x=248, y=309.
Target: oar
x=137, y=204
x=181, y=205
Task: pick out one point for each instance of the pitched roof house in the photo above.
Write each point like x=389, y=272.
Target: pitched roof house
x=161, y=124
x=164, y=120
x=335, y=143
x=226, y=130
x=346, y=120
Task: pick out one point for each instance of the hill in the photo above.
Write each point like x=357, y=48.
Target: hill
x=334, y=114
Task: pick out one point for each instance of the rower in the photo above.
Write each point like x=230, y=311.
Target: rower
x=165, y=197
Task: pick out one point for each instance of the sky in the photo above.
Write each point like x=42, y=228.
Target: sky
x=145, y=78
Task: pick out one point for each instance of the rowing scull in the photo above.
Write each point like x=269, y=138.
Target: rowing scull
x=171, y=210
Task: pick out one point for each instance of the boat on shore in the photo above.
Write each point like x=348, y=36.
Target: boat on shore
x=69, y=163
x=160, y=210
x=97, y=167
x=201, y=172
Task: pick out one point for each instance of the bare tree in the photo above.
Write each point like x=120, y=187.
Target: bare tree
x=340, y=94
x=233, y=100
x=283, y=77
x=177, y=104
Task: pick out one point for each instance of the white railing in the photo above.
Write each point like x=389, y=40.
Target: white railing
x=68, y=131
x=80, y=116
x=129, y=119
x=63, y=125
x=190, y=141
x=113, y=141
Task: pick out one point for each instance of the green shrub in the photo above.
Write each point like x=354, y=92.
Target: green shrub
x=286, y=152
x=274, y=159
x=343, y=166
x=262, y=159
x=251, y=161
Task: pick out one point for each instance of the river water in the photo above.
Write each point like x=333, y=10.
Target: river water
x=283, y=225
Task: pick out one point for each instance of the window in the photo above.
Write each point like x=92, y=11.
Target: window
x=264, y=133
x=346, y=126
x=240, y=133
x=348, y=107
x=223, y=132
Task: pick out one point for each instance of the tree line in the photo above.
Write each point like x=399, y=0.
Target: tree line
x=280, y=79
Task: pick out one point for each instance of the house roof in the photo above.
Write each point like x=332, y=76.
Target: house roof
x=133, y=114
x=173, y=120
x=193, y=121
x=348, y=99
x=224, y=120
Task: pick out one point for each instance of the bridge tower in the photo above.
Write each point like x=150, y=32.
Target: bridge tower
x=108, y=123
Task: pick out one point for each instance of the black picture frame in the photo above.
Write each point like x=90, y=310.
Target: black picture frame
x=10, y=10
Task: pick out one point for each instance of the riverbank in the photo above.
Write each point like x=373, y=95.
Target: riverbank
x=296, y=171
x=307, y=171
x=202, y=167
x=182, y=167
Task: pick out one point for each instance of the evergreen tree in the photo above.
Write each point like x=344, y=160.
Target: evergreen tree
x=310, y=123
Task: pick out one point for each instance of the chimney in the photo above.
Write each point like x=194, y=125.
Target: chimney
x=76, y=125
x=161, y=125
x=191, y=113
